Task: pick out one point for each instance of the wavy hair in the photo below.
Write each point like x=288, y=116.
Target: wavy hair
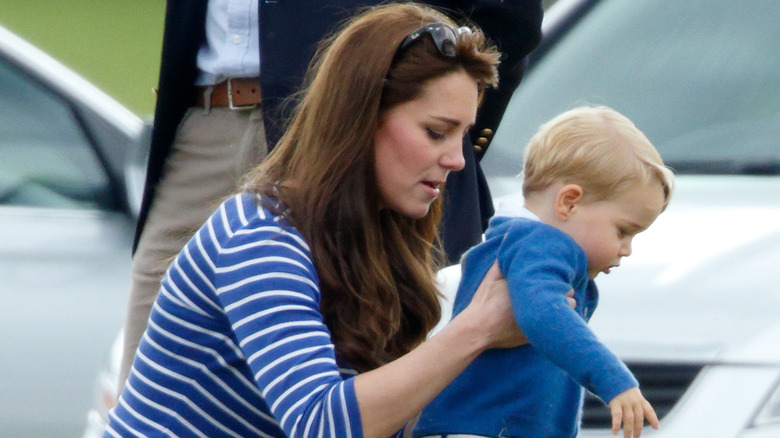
x=376, y=267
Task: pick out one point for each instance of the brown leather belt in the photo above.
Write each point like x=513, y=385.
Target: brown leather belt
x=240, y=93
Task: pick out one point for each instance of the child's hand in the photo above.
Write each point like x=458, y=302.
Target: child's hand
x=631, y=408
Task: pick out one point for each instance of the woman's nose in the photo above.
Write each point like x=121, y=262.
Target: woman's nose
x=453, y=159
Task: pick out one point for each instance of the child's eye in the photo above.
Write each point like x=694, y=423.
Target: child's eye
x=435, y=135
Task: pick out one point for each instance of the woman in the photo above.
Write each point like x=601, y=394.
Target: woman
x=300, y=308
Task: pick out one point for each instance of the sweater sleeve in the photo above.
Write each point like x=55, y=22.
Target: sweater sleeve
x=541, y=267
x=267, y=284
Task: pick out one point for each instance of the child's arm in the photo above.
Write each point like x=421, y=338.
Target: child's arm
x=540, y=269
x=631, y=408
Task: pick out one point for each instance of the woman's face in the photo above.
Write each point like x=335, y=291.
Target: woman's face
x=418, y=143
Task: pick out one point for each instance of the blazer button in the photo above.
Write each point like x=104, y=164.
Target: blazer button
x=482, y=141
x=487, y=132
x=477, y=148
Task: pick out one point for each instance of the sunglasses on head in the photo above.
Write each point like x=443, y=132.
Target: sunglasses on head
x=444, y=36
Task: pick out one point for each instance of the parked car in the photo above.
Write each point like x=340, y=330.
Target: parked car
x=695, y=311
x=71, y=163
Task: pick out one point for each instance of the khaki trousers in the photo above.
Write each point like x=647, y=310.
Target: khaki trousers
x=209, y=156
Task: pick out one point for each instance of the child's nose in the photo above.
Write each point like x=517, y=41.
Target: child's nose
x=625, y=249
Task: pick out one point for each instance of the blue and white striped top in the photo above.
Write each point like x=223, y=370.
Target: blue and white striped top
x=236, y=345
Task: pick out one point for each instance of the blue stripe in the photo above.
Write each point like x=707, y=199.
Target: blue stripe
x=244, y=287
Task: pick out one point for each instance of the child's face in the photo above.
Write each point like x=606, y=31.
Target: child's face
x=605, y=229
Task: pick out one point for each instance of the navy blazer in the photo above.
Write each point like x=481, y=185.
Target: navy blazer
x=513, y=25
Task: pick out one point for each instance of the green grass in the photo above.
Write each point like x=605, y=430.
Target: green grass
x=115, y=44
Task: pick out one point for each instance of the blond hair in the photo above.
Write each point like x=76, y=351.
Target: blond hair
x=597, y=148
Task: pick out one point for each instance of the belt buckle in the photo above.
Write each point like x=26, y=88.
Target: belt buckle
x=230, y=99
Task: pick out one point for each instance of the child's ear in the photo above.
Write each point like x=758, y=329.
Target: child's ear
x=567, y=200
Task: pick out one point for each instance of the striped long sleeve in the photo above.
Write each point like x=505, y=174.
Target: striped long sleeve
x=236, y=344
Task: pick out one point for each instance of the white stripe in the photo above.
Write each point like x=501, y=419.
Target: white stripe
x=271, y=311
x=248, y=384
x=213, y=236
x=251, y=262
x=321, y=432
x=299, y=384
x=240, y=207
x=288, y=356
x=287, y=340
x=160, y=407
x=186, y=401
x=182, y=296
x=255, y=278
x=116, y=418
x=192, y=383
x=225, y=221
x=268, y=241
x=297, y=404
x=278, y=229
x=268, y=294
x=260, y=210
x=312, y=416
x=344, y=410
x=331, y=420
x=111, y=431
x=280, y=326
x=218, y=336
x=300, y=366
x=204, y=253
x=196, y=268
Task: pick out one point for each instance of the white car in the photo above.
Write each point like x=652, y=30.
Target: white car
x=71, y=163
x=695, y=311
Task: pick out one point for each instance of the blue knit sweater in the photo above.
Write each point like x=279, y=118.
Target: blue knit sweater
x=534, y=390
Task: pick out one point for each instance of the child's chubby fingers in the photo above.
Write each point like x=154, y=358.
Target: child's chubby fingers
x=631, y=409
x=650, y=414
x=616, y=409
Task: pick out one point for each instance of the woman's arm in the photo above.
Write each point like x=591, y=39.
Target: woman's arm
x=393, y=394
x=267, y=286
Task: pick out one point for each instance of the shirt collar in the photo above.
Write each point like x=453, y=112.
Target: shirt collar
x=513, y=207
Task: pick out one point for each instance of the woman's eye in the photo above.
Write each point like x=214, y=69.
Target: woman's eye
x=434, y=134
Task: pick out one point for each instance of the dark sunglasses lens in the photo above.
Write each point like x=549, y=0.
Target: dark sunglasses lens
x=445, y=39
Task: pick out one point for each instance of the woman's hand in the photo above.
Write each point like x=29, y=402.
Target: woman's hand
x=493, y=309
x=418, y=376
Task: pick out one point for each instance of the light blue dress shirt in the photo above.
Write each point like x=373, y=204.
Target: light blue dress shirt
x=232, y=47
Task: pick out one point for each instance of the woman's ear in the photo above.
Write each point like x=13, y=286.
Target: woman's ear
x=566, y=201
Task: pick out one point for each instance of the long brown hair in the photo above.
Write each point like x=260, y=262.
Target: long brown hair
x=376, y=267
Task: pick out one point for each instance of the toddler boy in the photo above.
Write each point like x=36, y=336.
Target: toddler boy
x=591, y=182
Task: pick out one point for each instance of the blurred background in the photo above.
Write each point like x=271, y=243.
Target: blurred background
x=115, y=44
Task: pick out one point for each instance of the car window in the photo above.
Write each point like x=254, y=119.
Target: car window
x=701, y=84
x=46, y=160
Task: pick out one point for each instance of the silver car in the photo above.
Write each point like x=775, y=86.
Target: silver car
x=71, y=159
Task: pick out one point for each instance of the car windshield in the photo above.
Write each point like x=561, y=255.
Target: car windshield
x=700, y=78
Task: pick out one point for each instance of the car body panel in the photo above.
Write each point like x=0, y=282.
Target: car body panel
x=71, y=161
